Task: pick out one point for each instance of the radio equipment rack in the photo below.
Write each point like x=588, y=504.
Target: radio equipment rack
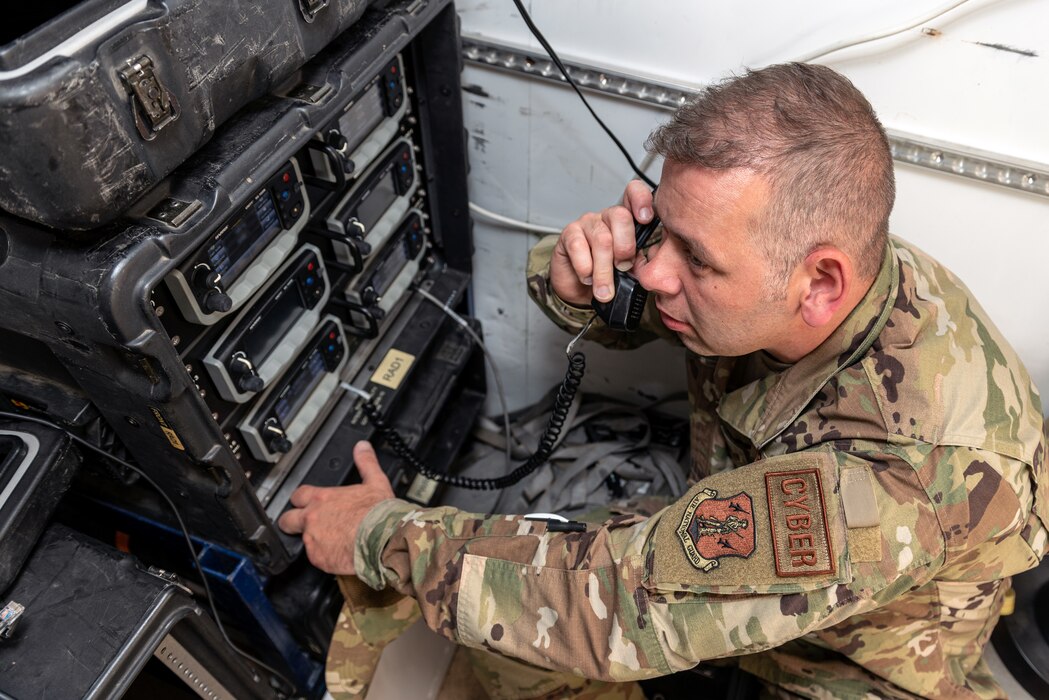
x=102, y=310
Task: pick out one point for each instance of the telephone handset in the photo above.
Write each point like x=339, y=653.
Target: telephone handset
x=623, y=312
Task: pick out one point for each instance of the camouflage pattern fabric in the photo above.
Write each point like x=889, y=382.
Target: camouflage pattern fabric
x=853, y=524
x=368, y=621
x=503, y=678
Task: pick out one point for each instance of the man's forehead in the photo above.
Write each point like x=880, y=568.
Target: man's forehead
x=682, y=204
x=696, y=204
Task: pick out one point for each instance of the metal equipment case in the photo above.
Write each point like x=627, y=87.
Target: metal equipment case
x=101, y=99
x=129, y=630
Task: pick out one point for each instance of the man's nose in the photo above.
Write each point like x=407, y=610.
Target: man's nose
x=656, y=271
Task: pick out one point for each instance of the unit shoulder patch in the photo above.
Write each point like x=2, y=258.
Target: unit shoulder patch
x=798, y=522
x=773, y=526
x=713, y=527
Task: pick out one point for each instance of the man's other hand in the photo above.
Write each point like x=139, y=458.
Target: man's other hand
x=589, y=247
x=328, y=518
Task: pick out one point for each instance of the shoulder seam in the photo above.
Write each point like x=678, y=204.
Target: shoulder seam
x=865, y=365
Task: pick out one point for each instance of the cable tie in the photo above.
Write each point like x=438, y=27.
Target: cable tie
x=444, y=305
x=361, y=393
x=546, y=516
x=571, y=345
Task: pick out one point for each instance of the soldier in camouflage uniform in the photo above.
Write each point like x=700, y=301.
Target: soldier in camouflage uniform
x=867, y=453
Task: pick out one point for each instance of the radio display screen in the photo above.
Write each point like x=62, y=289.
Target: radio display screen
x=237, y=246
x=296, y=393
x=359, y=120
x=273, y=323
x=376, y=202
x=387, y=270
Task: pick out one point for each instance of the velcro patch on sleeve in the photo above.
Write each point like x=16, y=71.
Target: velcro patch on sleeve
x=714, y=527
x=798, y=523
x=858, y=498
x=776, y=525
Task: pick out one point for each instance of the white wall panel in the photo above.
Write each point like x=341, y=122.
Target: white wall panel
x=978, y=77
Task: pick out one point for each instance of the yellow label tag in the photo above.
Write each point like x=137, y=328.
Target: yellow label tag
x=170, y=434
x=393, y=368
x=172, y=437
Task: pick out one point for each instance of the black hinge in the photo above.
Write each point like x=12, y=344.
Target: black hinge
x=152, y=105
x=310, y=8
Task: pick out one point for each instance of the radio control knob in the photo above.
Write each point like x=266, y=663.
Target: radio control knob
x=206, y=278
x=209, y=281
x=337, y=141
x=247, y=378
x=370, y=297
x=251, y=382
x=340, y=145
x=217, y=301
x=276, y=439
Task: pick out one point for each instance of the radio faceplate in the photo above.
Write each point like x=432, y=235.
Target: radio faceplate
x=291, y=407
x=262, y=341
x=233, y=263
x=381, y=285
x=368, y=214
x=364, y=126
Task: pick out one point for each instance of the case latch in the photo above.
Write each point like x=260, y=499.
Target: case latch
x=310, y=8
x=152, y=104
x=9, y=617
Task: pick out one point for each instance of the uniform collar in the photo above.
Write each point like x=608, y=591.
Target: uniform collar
x=764, y=408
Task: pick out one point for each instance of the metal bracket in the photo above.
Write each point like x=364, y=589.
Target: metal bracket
x=152, y=104
x=952, y=159
x=174, y=212
x=310, y=8
x=314, y=94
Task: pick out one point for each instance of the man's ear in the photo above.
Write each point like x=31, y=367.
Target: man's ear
x=826, y=279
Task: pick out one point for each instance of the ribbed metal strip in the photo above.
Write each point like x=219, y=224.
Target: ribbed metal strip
x=952, y=159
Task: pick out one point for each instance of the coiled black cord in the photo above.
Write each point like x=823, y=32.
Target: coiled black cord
x=562, y=405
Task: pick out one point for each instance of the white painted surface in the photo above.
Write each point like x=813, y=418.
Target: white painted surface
x=537, y=155
x=412, y=666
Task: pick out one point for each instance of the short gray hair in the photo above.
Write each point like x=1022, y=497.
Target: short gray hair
x=816, y=140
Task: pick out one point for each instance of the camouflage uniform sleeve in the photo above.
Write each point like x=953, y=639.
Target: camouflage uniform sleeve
x=745, y=561
x=571, y=601
x=572, y=318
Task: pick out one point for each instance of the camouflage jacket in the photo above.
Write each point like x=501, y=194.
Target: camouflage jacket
x=852, y=528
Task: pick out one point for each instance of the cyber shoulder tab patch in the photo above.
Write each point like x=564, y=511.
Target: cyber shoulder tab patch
x=713, y=527
x=798, y=522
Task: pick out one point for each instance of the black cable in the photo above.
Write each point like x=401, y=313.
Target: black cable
x=564, y=71
x=185, y=533
x=562, y=404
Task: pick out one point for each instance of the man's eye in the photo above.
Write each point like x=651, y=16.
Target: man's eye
x=696, y=262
